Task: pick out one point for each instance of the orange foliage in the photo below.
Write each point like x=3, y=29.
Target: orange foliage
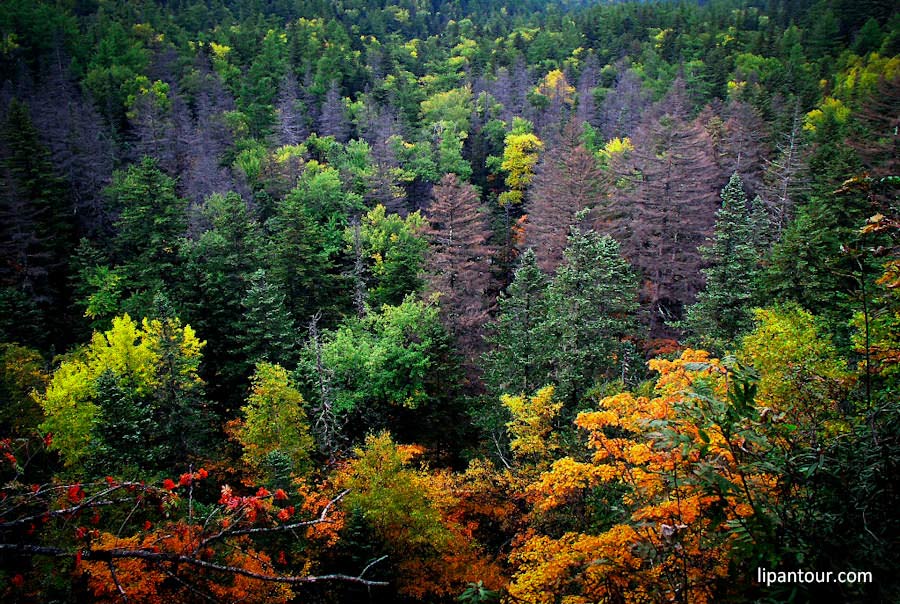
x=677, y=532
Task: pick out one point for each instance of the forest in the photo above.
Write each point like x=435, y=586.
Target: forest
x=432, y=301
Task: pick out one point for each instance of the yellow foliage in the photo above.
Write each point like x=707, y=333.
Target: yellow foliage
x=555, y=87
x=532, y=425
x=669, y=538
x=519, y=158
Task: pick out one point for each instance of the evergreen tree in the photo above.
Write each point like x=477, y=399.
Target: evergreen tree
x=218, y=267
x=722, y=311
x=267, y=332
x=150, y=229
x=591, y=304
x=36, y=235
x=516, y=360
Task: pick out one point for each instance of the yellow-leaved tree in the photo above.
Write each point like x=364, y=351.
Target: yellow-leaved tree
x=275, y=432
x=133, y=396
x=677, y=473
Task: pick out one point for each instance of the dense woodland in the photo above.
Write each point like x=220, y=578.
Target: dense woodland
x=436, y=301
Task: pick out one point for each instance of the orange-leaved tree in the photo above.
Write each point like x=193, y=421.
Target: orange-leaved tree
x=681, y=473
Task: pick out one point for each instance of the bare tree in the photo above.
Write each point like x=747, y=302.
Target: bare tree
x=461, y=260
x=567, y=180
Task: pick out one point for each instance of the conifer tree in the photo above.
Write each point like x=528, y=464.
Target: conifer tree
x=567, y=180
x=671, y=208
x=515, y=362
x=591, y=305
x=461, y=259
x=150, y=229
x=333, y=119
x=722, y=311
x=36, y=233
x=267, y=332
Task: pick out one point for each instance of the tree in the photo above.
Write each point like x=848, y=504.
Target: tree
x=266, y=330
x=684, y=491
x=219, y=264
x=274, y=422
x=515, y=360
x=143, y=375
x=591, y=305
x=520, y=154
x=36, y=235
x=307, y=234
x=292, y=128
x=567, y=180
x=460, y=260
x=391, y=369
x=21, y=373
x=671, y=211
x=723, y=308
x=333, y=119
x=151, y=225
x=414, y=519
x=175, y=540
x=395, y=249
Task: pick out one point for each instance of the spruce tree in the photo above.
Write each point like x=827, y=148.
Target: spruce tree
x=515, y=362
x=722, y=310
x=591, y=306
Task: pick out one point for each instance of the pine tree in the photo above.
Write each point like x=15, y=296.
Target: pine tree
x=461, y=260
x=722, y=310
x=219, y=264
x=151, y=226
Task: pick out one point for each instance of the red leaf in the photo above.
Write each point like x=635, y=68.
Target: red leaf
x=76, y=494
x=168, y=484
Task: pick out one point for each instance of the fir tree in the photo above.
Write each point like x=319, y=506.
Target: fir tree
x=267, y=331
x=591, y=305
x=515, y=362
x=722, y=311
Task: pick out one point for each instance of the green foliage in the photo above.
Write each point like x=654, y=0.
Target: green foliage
x=274, y=421
x=515, y=363
x=453, y=106
x=391, y=357
x=394, y=249
x=722, y=311
x=591, y=306
x=131, y=382
x=149, y=232
x=21, y=373
x=265, y=330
